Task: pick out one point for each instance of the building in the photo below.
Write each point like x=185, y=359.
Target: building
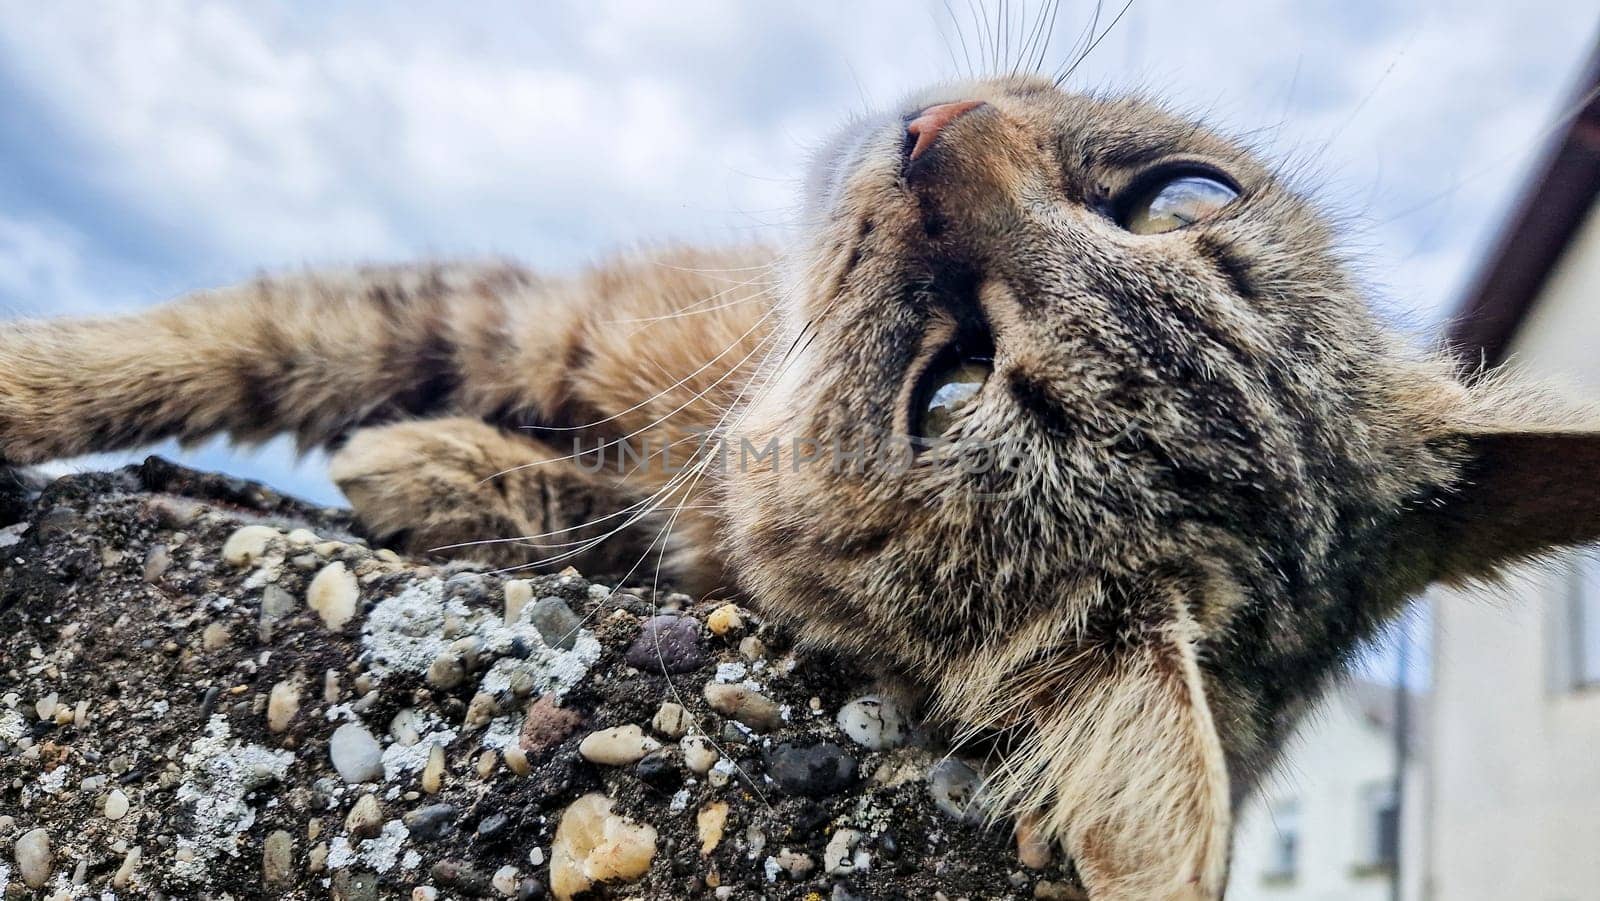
x=1326, y=826
x=1513, y=754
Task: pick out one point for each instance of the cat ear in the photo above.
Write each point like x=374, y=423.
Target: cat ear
x=1125, y=766
x=1530, y=482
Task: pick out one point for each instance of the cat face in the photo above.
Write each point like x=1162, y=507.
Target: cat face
x=1077, y=422
x=1075, y=340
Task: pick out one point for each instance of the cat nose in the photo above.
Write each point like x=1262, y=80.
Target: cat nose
x=925, y=127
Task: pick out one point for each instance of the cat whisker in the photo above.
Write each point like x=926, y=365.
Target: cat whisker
x=653, y=398
x=1060, y=79
x=961, y=36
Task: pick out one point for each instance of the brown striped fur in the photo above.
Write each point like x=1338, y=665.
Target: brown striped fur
x=1232, y=474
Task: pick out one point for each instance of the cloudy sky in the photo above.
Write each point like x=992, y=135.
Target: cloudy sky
x=153, y=147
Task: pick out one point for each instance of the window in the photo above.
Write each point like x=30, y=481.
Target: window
x=1579, y=641
x=1380, y=826
x=1283, y=858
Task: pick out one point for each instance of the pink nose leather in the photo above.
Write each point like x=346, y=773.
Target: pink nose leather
x=927, y=125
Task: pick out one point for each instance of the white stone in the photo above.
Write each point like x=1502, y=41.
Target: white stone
x=617, y=746
x=505, y=880
x=518, y=593
x=699, y=755
x=333, y=594
x=283, y=702
x=592, y=845
x=838, y=857
x=356, y=754
x=873, y=722
x=672, y=720
x=116, y=805
x=247, y=544
x=34, y=858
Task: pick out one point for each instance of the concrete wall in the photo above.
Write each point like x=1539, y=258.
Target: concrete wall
x=1514, y=752
x=1340, y=753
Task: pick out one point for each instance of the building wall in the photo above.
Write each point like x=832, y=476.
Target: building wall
x=1338, y=755
x=1515, y=752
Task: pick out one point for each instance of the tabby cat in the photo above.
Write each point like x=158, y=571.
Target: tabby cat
x=1062, y=411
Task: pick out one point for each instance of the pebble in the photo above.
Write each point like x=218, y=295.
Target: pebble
x=1034, y=850
x=659, y=771
x=34, y=858
x=671, y=720
x=873, y=722
x=725, y=619
x=302, y=537
x=482, y=710
x=545, y=724
x=556, y=622
x=954, y=787
x=283, y=702
x=838, y=857
x=505, y=880
x=365, y=819
x=355, y=886
x=214, y=637
x=617, y=746
x=130, y=865
x=699, y=755
x=447, y=670
x=433, y=771
x=709, y=826
x=518, y=592
x=744, y=704
x=405, y=727
x=277, y=858
x=752, y=648
x=157, y=561
x=815, y=769
x=333, y=594
x=276, y=603
x=247, y=544
x=116, y=805
x=517, y=759
x=667, y=644
x=356, y=754
x=431, y=823
x=796, y=864
x=493, y=825
x=531, y=889
x=424, y=893
x=459, y=875
x=592, y=845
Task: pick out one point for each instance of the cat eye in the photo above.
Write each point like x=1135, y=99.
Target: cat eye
x=951, y=388
x=1169, y=203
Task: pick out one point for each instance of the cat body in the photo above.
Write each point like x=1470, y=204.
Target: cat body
x=1223, y=474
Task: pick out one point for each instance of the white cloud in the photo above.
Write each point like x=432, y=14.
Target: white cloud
x=237, y=137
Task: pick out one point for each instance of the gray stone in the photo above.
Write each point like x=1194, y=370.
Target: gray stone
x=814, y=769
x=556, y=622
x=954, y=787
x=431, y=823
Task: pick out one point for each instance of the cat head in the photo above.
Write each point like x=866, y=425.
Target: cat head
x=1077, y=420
